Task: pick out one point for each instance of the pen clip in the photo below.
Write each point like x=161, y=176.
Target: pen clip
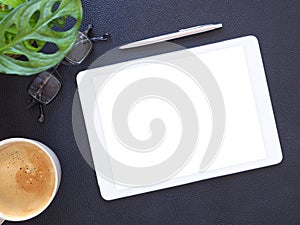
x=191, y=28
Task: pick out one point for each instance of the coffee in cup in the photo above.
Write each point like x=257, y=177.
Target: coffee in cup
x=29, y=178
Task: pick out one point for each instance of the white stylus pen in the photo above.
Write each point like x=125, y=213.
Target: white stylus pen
x=178, y=34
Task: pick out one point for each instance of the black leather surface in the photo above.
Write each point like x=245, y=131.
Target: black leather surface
x=265, y=196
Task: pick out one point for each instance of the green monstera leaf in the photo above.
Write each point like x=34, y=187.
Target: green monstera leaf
x=32, y=25
x=6, y=6
x=4, y=13
x=13, y=3
x=4, y=10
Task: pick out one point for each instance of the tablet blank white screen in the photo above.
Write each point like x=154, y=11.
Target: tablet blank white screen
x=243, y=141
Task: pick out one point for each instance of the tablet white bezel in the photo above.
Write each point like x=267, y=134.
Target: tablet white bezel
x=265, y=115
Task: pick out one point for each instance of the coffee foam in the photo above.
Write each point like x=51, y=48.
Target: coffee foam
x=27, y=179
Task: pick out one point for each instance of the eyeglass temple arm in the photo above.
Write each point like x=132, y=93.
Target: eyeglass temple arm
x=105, y=37
x=42, y=115
x=88, y=29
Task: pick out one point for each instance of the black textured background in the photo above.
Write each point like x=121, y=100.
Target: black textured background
x=265, y=196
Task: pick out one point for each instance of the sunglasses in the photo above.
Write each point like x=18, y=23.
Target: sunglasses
x=46, y=85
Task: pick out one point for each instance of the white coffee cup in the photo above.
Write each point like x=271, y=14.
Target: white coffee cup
x=57, y=170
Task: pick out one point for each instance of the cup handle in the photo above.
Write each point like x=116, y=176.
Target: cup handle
x=1, y=221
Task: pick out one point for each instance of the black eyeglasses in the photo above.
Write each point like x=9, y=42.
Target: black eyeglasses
x=43, y=89
x=46, y=85
x=83, y=46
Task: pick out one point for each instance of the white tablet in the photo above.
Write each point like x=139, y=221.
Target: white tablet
x=179, y=117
